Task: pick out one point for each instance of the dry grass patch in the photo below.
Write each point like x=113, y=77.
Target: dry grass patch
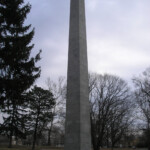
x=29, y=148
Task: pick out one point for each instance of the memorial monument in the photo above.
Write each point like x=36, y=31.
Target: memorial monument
x=77, y=127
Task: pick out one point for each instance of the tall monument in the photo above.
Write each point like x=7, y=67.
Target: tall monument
x=78, y=131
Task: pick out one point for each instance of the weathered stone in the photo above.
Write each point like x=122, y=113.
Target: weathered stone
x=77, y=134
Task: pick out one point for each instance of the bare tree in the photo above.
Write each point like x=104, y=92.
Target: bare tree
x=59, y=91
x=119, y=123
x=142, y=93
x=109, y=97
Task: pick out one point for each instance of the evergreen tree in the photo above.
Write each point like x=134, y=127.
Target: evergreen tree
x=40, y=105
x=18, y=69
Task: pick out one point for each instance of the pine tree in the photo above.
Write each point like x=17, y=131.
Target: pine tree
x=40, y=105
x=18, y=69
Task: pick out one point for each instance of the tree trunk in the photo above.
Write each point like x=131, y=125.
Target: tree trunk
x=95, y=143
x=148, y=135
x=96, y=147
x=10, y=142
x=49, y=132
x=11, y=130
x=148, y=138
x=49, y=137
x=34, y=136
x=112, y=146
x=34, y=139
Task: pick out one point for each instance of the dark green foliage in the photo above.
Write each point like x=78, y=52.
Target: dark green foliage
x=17, y=68
x=41, y=104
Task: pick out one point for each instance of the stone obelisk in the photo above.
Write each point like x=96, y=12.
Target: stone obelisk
x=77, y=127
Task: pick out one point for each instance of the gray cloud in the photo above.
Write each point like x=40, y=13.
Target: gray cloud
x=117, y=36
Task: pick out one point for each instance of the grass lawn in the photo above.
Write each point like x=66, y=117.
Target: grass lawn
x=29, y=148
x=50, y=148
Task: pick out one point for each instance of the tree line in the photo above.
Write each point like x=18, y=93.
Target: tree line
x=30, y=111
x=119, y=114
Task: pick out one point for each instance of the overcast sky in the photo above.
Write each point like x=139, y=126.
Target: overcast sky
x=118, y=36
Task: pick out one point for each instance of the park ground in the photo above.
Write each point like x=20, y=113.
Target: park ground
x=29, y=148
x=50, y=148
